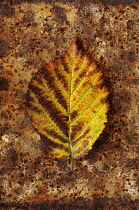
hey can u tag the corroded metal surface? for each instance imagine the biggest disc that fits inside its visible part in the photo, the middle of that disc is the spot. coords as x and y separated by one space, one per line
32 34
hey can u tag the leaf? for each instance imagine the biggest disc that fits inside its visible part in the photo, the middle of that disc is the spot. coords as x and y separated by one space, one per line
66 101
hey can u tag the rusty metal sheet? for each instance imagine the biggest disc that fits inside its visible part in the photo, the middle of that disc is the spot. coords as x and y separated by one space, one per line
31 34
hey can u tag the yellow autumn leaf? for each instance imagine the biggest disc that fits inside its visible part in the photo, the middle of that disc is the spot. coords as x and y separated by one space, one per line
66 101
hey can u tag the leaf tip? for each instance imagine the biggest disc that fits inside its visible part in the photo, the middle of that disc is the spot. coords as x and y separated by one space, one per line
73 45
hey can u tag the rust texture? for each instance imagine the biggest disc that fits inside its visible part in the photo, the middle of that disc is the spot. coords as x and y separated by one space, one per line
31 34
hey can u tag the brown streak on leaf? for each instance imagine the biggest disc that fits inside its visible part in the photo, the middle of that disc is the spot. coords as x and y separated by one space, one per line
63 62
51 144
55 115
76 129
62 79
73 115
55 135
81 137
85 143
81 155
50 82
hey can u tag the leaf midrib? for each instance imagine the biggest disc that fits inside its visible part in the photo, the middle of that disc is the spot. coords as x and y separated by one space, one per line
69 112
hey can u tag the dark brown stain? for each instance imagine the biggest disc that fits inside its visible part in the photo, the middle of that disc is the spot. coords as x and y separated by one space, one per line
20 94
1 67
28 17
48 175
59 13
24 122
6 10
80 3
4 84
62 164
4 128
66 179
119 2
11 156
128 55
130 24
3 48
101 203
136 81
4 115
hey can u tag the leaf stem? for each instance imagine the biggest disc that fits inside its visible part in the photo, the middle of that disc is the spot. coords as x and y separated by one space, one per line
72 163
